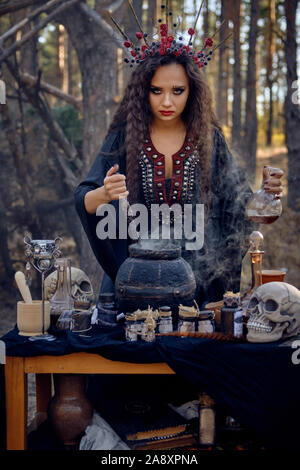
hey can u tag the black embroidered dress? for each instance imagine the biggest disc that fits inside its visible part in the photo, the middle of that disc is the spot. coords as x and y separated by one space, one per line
217 265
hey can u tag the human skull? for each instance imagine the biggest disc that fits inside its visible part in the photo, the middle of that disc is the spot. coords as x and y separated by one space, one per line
81 285
274 312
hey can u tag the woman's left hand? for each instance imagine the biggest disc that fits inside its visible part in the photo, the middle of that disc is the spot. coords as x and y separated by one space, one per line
272 181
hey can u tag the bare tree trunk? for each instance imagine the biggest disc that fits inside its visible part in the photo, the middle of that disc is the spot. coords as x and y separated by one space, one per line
291 108
21 173
151 15
206 19
250 128
222 106
62 58
236 106
64 192
58 74
7 282
70 65
270 78
96 52
130 25
206 31
96 56
29 60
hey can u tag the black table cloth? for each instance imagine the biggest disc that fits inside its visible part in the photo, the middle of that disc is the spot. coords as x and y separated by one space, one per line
257 384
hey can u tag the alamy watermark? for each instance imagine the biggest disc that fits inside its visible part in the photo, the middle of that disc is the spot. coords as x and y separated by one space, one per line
2 92
296 354
162 222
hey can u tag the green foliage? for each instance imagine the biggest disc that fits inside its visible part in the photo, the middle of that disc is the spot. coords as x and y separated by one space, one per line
70 121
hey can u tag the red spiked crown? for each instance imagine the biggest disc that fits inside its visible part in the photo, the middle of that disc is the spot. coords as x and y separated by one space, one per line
170 41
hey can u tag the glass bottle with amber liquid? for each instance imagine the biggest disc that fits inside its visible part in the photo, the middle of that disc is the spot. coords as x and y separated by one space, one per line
263 207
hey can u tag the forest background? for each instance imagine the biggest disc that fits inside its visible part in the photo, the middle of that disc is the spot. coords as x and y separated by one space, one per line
61 64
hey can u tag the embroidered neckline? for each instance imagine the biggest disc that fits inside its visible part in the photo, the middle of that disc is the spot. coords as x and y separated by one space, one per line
179 173
186 143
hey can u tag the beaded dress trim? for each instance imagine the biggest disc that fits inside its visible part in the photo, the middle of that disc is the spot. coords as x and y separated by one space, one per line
152 164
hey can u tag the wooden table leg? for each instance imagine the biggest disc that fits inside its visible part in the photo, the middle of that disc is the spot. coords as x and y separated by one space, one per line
43 392
43 387
16 403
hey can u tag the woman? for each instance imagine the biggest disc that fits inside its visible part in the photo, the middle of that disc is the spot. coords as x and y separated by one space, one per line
165 146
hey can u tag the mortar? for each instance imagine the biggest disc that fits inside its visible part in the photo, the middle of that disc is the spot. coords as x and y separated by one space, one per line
30 318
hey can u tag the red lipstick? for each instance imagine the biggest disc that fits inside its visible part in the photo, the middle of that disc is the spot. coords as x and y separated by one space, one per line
166 113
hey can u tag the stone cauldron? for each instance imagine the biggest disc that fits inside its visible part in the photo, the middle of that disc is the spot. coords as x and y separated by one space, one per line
154 274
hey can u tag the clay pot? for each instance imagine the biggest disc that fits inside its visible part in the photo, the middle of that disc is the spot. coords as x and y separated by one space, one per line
69 411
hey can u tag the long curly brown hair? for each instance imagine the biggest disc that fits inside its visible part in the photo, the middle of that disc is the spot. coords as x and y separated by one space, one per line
134 111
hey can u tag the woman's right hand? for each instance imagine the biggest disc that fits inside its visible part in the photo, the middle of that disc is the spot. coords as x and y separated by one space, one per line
115 184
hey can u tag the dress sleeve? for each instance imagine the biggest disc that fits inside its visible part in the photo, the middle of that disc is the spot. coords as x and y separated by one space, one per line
232 191
106 251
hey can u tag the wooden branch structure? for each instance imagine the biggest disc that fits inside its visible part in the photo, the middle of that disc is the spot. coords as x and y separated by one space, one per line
26 20
69 176
13 97
18 44
114 6
33 86
31 81
42 107
279 33
20 165
55 130
12 140
95 16
10 6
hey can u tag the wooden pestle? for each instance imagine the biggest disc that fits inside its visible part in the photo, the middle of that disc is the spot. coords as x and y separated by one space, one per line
23 287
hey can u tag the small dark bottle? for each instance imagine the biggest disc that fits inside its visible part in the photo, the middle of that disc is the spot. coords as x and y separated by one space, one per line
232 315
107 312
107 300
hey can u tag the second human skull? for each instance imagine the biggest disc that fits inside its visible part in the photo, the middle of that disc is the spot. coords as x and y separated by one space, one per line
81 285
